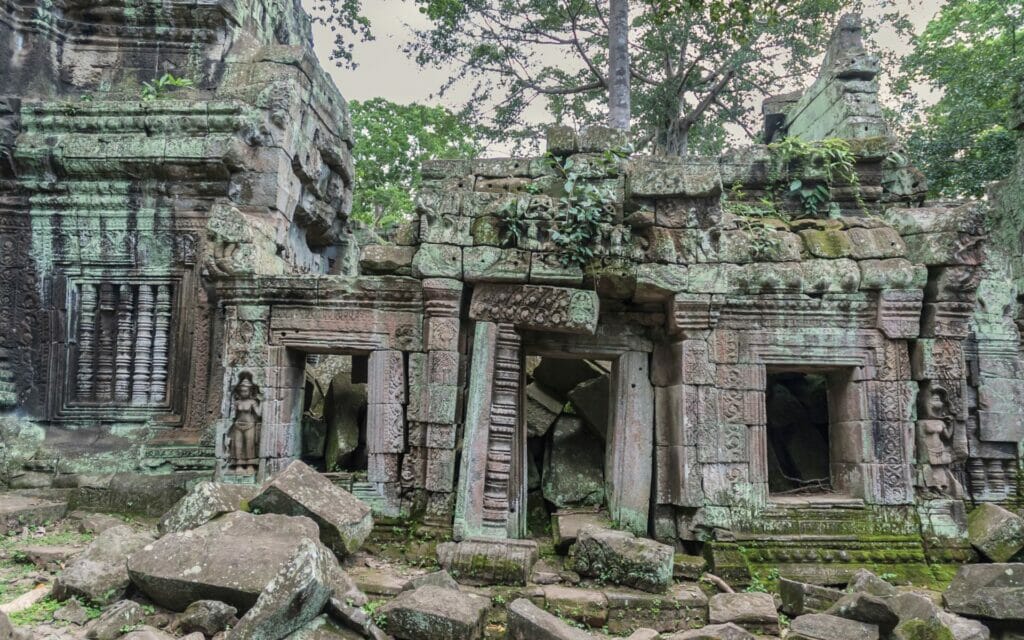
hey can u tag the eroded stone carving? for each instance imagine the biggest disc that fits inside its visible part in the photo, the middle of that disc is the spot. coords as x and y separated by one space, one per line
242 440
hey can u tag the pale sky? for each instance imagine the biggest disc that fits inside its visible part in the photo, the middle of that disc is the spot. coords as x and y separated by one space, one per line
384 71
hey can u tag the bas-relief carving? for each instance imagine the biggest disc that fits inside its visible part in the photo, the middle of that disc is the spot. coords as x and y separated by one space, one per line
242 440
935 428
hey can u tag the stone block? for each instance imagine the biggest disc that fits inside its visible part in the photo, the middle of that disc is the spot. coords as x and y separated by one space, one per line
892 273
590 400
537 307
683 606
573 473
659 282
22 511
866 608
599 138
879 242
436 613
541 410
621 558
993 591
206 501
994 531
386 259
482 562
549 268
821 626
565 527
827 243
99 573
650 178
755 612
728 631
587 606
799 598
437 261
527 621
561 140
491 264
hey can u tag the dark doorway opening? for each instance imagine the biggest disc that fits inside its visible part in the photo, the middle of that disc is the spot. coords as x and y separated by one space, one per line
334 415
798 433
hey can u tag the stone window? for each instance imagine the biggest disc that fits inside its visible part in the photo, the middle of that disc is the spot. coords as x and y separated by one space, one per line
121 353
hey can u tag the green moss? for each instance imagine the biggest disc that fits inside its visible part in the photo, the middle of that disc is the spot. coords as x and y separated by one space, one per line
922 630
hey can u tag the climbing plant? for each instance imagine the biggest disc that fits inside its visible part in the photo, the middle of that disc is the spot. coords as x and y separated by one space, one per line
584 206
801 162
160 87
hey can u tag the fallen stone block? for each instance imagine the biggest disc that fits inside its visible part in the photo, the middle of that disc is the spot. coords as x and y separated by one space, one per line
867 582
687 567
377 582
483 562
993 591
49 558
435 613
353 617
206 501
99 573
620 557
21 511
821 626
122 614
527 621
437 579
344 520
644 634
229 559
755 612
573 473
294 597
146 632
728 631
561 375
684 606
995 532
209 617
799 598
867 608
72 612
590 400
586 606
542 409
921 630
324 627
565 526
94 522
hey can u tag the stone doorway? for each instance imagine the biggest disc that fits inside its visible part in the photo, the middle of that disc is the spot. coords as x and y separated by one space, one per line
797 412
334 414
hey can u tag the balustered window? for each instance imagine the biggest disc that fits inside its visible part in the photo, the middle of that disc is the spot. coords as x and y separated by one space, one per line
123 336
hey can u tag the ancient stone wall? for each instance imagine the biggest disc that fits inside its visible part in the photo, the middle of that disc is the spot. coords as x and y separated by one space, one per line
118 200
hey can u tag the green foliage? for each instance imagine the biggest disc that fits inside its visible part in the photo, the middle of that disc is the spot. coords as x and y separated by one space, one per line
391 142
158 88
763 584
40 611
754 220
972 52
347 23
585 206
831 159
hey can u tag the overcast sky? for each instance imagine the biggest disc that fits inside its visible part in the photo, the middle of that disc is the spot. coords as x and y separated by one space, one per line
384 71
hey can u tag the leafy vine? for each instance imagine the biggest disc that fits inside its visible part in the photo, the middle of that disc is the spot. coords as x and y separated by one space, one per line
831 158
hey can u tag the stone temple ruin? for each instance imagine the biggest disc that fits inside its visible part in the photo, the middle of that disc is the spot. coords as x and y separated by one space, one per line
182 295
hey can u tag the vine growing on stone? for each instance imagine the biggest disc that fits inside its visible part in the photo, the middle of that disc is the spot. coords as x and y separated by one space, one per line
159 87
831 158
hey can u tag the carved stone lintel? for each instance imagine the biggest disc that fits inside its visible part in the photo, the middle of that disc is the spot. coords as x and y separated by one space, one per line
536 307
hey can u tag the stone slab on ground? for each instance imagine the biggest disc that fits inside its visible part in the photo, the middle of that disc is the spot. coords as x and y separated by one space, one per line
687 567
299 490
566 525
684 606
209 617
294 597
50 558
146 632
587 606
799 598
89 522
994 531
378 581
206 501
99 573
867 582
354 617
436 613
755 612
993 591
125 613
211 563
21 511
865 607
822 626
527 621
620 557
437 578
479 561
728 631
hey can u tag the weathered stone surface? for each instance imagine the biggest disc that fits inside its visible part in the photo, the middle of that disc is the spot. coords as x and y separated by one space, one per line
354 617
755 612
565 527
988 591
590 400
50 558
344 520
996 532
821 626
146 632
294 596
325 628
207 616
95 522
585 606
622 558
683 606
799 598
542 408
573 474
436 579
481 561
728 631
436 613
211 562
644 634
203 503
125 613
915 606
921 630
866 608
527 621
20 511
562 375
99 574
72 612
867 582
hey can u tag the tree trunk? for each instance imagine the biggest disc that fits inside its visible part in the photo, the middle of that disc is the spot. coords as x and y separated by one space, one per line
618 64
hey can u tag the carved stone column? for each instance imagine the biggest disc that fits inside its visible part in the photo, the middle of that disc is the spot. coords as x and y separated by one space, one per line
385 425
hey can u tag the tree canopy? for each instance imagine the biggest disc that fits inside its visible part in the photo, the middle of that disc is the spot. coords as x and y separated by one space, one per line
973 53
391 141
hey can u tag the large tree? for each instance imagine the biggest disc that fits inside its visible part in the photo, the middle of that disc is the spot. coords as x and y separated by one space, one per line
695 66
972 52
391 141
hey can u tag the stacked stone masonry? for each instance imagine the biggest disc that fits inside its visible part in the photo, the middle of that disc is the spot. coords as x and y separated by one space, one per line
168 269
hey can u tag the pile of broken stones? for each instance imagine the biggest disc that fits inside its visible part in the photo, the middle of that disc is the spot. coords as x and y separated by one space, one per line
232 562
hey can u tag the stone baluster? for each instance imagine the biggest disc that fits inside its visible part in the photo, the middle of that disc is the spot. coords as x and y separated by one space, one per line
143 346
86 342
161 339
125 334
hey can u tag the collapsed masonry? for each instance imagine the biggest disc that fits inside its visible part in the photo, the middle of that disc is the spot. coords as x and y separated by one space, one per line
809 392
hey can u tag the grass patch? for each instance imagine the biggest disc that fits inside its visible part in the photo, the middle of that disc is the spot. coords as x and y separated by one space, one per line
39 612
